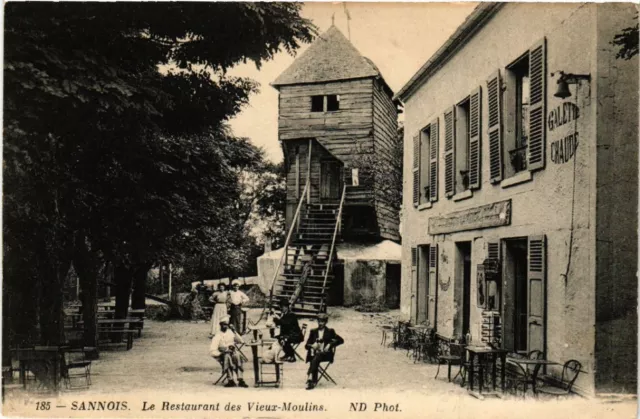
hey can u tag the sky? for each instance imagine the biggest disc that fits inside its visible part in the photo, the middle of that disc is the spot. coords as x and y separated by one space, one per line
398 37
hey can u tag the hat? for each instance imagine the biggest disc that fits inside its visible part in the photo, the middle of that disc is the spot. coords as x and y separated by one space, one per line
284 302
323 316
235 281
225 319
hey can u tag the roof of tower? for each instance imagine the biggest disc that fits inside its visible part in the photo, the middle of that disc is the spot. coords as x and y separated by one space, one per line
331 57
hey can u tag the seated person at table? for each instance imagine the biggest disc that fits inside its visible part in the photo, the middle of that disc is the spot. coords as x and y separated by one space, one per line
290 332
223 349
320 348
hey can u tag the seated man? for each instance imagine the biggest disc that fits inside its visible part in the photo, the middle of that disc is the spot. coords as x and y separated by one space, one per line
320 348
224 351
290 332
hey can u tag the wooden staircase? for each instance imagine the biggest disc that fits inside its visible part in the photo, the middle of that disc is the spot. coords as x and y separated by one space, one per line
312 246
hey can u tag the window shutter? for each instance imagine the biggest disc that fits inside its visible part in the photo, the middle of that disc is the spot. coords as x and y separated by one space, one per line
449 154
536 272
538 76
432 297
493 249
414 283
494 95
416 170
433 161
475 104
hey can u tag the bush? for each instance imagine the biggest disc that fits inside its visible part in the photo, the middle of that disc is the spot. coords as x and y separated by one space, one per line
372 306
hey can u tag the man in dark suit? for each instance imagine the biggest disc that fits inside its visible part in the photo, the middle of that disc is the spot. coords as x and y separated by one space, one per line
290 332
320 347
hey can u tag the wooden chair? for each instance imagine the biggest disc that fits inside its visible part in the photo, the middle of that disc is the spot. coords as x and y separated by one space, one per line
278 365
223 375
322 370
295 346
570 372
454 355
77 367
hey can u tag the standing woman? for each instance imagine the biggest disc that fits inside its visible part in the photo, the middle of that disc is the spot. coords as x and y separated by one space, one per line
219 300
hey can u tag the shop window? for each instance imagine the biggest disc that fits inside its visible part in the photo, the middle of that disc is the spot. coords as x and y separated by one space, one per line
516 126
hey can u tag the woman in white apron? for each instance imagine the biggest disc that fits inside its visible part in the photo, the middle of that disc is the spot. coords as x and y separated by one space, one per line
219 299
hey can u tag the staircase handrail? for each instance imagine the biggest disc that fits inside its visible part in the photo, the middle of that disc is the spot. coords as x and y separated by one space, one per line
286 243
333 243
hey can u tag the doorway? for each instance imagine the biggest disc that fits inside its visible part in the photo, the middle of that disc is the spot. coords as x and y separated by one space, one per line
462 293
392 285
516 295
330 180
336 289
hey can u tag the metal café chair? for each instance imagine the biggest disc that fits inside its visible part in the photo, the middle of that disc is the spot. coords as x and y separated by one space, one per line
454 356
570 372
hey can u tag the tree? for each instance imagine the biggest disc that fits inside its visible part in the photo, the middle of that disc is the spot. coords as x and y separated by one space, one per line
107 157
627 41
382 168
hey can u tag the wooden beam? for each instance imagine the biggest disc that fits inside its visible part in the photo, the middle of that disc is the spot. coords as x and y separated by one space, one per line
309 174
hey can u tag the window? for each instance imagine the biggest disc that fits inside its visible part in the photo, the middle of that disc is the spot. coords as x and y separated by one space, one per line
425 140
518 76
425 165
325 103
317 103
333 103
516 117
462 147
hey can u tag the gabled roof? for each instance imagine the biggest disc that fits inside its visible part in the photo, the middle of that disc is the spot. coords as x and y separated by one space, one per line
331 57
460 37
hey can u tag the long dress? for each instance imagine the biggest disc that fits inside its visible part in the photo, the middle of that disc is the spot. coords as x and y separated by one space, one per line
219 309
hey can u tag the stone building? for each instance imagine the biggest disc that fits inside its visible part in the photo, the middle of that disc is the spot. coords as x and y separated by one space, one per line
337 122
521 192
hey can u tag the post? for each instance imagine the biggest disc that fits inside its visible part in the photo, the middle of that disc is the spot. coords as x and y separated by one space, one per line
170 281
309 174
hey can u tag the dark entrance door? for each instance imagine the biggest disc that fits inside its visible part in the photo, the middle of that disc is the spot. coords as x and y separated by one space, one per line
392 293
336 289
463 287
330 180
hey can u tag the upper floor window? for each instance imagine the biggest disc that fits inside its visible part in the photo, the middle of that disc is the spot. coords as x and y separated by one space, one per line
462 147
425 165
518 78
325 103
516 117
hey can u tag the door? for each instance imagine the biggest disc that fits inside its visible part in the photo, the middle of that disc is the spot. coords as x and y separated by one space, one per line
423 284
462 292
330 180
392 286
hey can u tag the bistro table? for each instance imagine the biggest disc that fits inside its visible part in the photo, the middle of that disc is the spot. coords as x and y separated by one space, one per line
537 364
482 353
43 361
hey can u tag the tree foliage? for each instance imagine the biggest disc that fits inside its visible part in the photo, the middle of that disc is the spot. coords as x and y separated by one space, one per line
627 41
115 131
